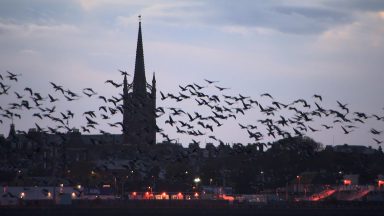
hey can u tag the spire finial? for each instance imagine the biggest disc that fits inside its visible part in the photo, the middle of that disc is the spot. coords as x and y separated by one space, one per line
139 18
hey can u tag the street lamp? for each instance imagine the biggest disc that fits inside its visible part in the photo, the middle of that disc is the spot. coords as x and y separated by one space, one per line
298 186
197 180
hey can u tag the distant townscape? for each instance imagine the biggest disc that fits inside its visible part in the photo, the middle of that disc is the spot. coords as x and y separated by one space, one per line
60 164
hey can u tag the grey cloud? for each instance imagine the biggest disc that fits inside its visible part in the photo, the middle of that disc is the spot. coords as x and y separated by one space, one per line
311 19
321 14
40 11
357 5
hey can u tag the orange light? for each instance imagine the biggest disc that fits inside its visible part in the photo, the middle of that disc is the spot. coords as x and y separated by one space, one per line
147 195
178 196
164 194
196 194
229 198
347 182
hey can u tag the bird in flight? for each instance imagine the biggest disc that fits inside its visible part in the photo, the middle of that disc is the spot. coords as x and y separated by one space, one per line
124 73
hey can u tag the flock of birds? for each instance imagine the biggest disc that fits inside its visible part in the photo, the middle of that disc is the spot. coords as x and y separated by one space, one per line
276 119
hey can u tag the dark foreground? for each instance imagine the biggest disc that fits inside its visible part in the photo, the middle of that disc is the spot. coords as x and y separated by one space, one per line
136 208
187 212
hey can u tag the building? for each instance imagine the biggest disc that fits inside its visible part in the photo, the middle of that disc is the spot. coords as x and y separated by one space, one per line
139 119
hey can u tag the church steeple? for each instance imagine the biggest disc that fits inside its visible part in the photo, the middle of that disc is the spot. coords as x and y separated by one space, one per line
139 116
12 132
139 81
153 85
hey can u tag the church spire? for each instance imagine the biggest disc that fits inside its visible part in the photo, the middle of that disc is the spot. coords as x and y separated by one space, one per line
139 81
153 92
12 131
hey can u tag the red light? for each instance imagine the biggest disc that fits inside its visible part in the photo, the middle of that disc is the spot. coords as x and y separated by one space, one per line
381 183
134 193
347 182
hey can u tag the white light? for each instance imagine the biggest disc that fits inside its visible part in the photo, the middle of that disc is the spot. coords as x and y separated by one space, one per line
197 180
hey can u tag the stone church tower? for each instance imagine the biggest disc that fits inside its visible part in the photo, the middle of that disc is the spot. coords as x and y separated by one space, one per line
139 103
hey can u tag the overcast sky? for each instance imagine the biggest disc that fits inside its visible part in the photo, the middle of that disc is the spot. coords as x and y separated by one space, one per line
291 49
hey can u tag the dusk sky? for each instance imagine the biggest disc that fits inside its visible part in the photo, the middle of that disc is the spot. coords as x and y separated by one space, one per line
291 49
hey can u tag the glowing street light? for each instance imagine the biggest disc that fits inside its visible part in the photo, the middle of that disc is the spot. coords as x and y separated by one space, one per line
299 183
197 180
